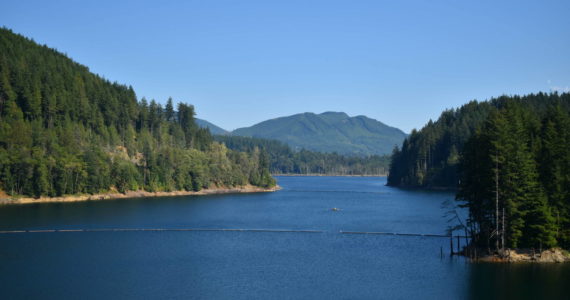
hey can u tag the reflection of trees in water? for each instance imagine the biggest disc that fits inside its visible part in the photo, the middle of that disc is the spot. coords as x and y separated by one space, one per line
518 281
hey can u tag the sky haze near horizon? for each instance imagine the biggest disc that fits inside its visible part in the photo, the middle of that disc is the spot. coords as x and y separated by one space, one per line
242 62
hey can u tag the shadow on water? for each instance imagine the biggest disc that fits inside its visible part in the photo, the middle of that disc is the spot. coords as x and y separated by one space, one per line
519 281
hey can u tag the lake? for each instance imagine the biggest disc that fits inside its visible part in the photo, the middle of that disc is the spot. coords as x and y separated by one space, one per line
256 265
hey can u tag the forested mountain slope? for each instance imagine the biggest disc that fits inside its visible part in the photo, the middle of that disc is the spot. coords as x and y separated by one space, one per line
284 160
429 157
329 132
510 160
65 130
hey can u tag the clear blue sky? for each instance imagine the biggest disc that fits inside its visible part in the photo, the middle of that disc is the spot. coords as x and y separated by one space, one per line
241 62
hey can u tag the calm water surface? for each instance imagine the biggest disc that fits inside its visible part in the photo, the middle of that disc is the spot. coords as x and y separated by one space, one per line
256 265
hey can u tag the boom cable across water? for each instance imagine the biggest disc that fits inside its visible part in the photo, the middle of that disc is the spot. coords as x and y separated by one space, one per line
218 229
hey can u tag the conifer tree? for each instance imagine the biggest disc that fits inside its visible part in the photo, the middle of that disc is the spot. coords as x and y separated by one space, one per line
169 110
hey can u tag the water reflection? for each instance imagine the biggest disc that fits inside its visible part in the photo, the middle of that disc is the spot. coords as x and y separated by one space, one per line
519 281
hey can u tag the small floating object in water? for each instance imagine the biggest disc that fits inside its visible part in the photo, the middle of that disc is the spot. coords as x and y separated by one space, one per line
335 209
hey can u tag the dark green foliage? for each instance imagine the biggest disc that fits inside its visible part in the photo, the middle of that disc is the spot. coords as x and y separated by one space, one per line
281 159
125 175
64 130
169 110
98 171
522 151
428 158
330 132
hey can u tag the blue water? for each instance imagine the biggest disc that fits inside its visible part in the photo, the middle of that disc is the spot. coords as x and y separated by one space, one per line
256 265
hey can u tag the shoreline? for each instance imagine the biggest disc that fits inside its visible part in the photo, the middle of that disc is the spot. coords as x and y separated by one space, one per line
554 255
426 188
325 175
136 194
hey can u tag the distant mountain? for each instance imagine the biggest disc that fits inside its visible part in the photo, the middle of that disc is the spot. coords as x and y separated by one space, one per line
329 132
213 128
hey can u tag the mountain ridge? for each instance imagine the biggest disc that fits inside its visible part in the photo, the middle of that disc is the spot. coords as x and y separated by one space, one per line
328 132
214 129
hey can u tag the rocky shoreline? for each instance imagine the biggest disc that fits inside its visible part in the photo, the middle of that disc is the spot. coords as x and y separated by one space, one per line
554 255
136 194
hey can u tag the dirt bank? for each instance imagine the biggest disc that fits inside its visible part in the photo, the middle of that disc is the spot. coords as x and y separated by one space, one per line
135 194
325 175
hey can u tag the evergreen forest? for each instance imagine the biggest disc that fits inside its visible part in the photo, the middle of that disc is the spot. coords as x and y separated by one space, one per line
283 160
65 130
509 161
515 178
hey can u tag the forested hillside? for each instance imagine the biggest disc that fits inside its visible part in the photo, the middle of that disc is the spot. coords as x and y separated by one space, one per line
283 160
65 130
329 132
429 157
510 160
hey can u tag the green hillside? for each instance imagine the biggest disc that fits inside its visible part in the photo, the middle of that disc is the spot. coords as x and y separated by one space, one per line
329 132
429 157
508 158
65 130
284 160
